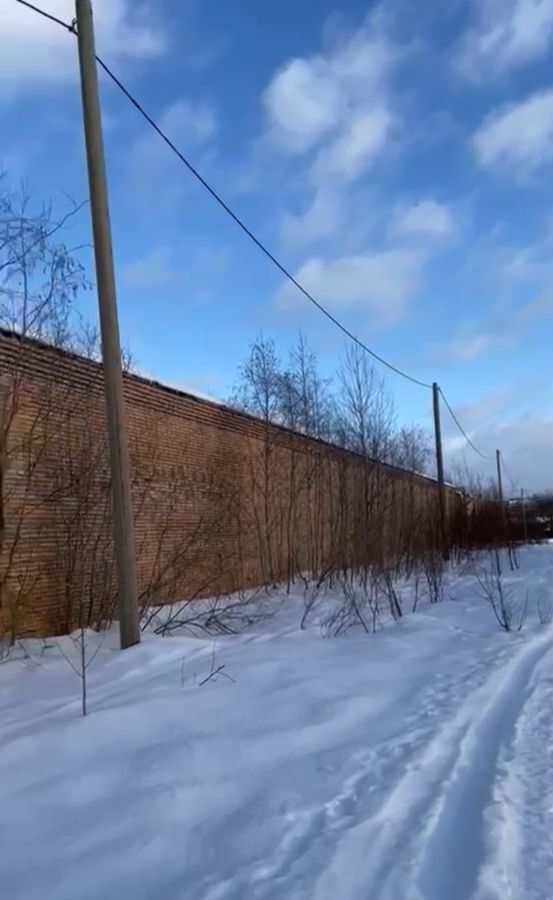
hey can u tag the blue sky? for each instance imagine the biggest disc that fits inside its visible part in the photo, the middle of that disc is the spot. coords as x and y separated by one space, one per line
396 156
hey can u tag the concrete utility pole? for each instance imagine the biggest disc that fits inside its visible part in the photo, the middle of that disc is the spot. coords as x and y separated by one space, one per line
440 471
123 527
500 489
524 522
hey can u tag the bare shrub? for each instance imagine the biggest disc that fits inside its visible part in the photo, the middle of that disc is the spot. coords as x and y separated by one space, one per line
509 612
416 582
211 616
20 456
433 569
215 671
18 650
81 661
388 588
545 610
313 593
512 555
39 279
357 605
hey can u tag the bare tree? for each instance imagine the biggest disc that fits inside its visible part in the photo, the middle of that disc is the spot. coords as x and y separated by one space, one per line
366 411
39 279
81 660
411 449
314 419
259 390
81 513
259 378
39 275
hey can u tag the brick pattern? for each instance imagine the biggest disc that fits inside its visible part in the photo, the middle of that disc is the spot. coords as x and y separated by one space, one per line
222 500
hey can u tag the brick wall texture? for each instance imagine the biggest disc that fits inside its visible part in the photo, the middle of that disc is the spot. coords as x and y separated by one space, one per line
222 501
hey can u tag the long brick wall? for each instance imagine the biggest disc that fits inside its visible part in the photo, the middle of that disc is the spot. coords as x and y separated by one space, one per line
222 500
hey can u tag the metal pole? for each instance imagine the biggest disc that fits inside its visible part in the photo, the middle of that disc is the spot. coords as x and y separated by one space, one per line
440 471
123 528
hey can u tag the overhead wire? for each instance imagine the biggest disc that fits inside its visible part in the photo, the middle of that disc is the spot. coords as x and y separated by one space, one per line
245 228
461 429
236 218
47 15
264 249
507 472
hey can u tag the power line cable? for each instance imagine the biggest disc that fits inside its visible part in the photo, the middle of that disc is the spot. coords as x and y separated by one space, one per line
506 470
264 249
461 429
47 15
236 218
242 225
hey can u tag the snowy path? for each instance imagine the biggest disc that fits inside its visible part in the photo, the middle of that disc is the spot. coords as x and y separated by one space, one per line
378 845
455 771
416 764
521 846
455 847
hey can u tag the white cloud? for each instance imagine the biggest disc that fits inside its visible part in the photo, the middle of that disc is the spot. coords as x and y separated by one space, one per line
427 219
508 34
186 123
525 444
33 50
193 268
331 116
538 308
478 413
361 139
190 126
531 264
322 219
517 138
523 437
380 284
467 348
334 104
502 331
509 266
151 270
302 103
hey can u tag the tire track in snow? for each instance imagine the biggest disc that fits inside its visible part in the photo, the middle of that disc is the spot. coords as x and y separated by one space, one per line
447 785
519 818
311 832
455 847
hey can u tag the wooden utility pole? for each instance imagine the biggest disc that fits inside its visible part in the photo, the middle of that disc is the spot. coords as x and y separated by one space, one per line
440 472
123 528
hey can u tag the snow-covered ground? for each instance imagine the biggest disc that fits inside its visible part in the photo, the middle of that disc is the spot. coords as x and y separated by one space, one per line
413 763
